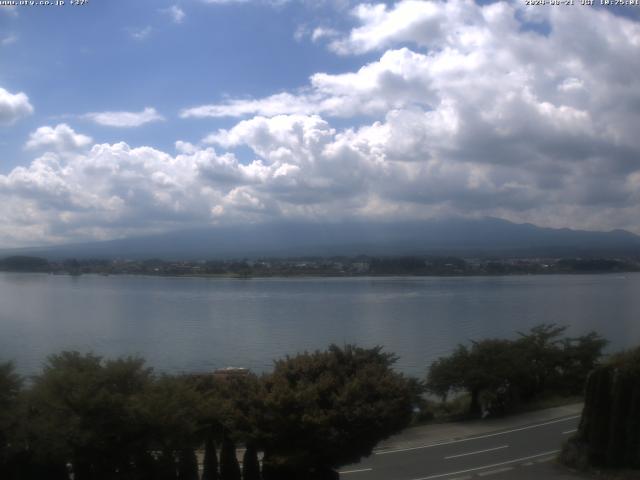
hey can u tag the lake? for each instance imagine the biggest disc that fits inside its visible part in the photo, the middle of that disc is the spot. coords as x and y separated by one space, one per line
199 324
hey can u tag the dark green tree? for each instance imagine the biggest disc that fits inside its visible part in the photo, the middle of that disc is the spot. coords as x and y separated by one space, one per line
210 467
229 466
250 463
10 388
166 467
609 431
489 367
187 465
541 350
330 408
500 373
80 411
445 374
169 410
579 357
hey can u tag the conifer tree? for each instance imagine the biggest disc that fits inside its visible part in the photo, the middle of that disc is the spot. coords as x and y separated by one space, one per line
210 468
229 467
250 464
187 464
166 466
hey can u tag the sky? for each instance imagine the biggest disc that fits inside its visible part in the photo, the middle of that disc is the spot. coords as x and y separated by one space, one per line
121 118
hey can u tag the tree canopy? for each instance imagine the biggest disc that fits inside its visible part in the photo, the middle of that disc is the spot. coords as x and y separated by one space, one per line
609 431
504 372
330 408
112 419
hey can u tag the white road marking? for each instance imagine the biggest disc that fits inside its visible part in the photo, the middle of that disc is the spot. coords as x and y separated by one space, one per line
474 453
355 471
566 419
484 467
570 431
496 471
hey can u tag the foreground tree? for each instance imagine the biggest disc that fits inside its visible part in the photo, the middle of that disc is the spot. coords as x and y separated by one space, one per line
250 463
229 467
10 389
187 465
609 431
500 373
210 462
579 357
80 411
489 367
169 413
327 409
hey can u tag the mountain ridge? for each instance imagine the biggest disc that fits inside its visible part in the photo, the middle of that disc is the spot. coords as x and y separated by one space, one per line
488 236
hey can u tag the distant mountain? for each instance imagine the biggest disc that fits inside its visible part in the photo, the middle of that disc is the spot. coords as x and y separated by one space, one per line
454 236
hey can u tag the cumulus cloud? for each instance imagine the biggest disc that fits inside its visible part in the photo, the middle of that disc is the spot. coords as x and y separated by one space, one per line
414 21
13 106
185 147
125 119
467 109
60 139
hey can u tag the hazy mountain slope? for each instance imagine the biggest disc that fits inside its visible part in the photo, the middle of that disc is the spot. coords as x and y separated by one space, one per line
489 236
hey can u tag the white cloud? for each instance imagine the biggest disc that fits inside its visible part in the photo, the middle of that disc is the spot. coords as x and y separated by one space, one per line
13 106
323 32
60 139
467 110
176 12
461 90
269 106
416 21
8 40
125 119
185 147
141 33
402 166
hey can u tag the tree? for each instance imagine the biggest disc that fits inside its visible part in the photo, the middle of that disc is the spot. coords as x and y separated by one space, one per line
541 350
580 356
10 389
80 410
24 264
330 408
187 465
489 367
229 467
166 468
609 431
250 463
445 374
499 373
210 467
169 410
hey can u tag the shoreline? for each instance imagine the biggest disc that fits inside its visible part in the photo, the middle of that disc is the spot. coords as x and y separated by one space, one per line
326 275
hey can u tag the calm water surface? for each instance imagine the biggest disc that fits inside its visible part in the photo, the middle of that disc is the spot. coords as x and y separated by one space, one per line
197 324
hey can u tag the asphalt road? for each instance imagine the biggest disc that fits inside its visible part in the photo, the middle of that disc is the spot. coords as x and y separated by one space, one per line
498 454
